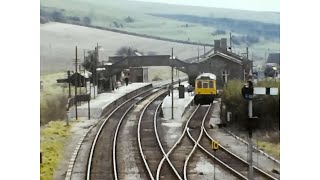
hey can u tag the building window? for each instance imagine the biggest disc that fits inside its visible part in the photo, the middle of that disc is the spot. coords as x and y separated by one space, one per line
225 75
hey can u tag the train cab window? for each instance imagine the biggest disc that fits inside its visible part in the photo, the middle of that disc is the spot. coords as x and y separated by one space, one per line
210 84
205 85
199 84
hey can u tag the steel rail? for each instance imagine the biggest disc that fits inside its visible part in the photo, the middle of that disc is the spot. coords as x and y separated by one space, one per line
115 171
139 136
265 174
114 146
102 126
254 147
217 159
161 147
196 143
177 142
89 163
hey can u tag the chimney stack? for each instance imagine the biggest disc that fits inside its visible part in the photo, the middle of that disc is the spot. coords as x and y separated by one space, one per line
223 45
216 46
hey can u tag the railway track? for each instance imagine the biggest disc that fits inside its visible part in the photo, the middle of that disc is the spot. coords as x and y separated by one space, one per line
165 165
108 155
195 129
100 163
230 161
149 146
177 155
234 161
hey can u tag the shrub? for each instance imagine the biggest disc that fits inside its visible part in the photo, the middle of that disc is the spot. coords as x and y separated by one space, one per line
43 20
156 78
58 16
128 19
218 32
53 108
116 24
266 108
74 18
87 20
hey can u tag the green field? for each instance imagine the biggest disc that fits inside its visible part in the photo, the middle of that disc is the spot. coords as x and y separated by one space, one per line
105 13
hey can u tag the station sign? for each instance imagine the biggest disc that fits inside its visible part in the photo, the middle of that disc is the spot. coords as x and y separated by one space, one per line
214 145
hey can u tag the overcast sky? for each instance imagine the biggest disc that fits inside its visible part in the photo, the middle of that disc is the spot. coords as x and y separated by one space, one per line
253 5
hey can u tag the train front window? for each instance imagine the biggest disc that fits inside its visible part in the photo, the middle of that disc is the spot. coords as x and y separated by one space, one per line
205 85
210 84
199 84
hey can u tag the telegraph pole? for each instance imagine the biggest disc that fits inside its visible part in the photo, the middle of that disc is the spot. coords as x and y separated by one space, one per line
96 79
172 83
69 83
84 71
76 84
250 84
198 54
247 53
230 43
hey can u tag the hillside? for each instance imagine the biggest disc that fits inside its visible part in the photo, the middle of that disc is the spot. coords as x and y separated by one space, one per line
258 30
58 41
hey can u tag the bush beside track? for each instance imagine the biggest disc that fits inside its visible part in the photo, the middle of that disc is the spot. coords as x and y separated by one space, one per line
267 108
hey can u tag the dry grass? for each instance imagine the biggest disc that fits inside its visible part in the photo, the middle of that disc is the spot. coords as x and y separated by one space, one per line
270 148
52 139
269 141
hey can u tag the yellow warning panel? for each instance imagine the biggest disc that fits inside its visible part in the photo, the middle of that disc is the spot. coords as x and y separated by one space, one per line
214 145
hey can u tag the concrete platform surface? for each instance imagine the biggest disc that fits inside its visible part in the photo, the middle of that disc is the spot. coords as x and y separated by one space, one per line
179 105
101 101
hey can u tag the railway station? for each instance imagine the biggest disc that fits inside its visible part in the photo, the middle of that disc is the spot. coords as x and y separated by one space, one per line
133 126
179 93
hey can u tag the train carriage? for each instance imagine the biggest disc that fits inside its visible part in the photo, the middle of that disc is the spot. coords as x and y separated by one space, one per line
205 88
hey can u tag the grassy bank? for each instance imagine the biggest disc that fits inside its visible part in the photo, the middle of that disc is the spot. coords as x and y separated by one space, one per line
53 99
270 148
52 139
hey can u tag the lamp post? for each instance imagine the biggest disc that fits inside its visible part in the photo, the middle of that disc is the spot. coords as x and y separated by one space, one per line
95 71
274 71
171 63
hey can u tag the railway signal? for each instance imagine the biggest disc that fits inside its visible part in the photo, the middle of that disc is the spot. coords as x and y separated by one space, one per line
247 92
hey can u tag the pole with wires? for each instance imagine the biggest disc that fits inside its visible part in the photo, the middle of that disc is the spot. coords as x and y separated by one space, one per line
172 83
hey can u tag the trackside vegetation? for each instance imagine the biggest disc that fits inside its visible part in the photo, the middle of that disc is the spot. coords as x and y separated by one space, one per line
52 138
266 108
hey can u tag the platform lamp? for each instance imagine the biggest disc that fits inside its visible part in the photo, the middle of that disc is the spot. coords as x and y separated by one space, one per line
274 71
95 65
171 64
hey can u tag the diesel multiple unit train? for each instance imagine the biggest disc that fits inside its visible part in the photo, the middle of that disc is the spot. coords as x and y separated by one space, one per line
205 88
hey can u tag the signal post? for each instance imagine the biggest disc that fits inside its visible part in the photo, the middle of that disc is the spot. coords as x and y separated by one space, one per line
247 92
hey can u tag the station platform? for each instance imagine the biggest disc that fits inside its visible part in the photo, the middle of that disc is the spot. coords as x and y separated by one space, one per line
215 119
180 106
106 100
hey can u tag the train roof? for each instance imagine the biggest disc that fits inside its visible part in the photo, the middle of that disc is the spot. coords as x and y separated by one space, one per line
206 75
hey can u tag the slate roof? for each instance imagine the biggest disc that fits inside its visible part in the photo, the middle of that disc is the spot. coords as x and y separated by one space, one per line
274 58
